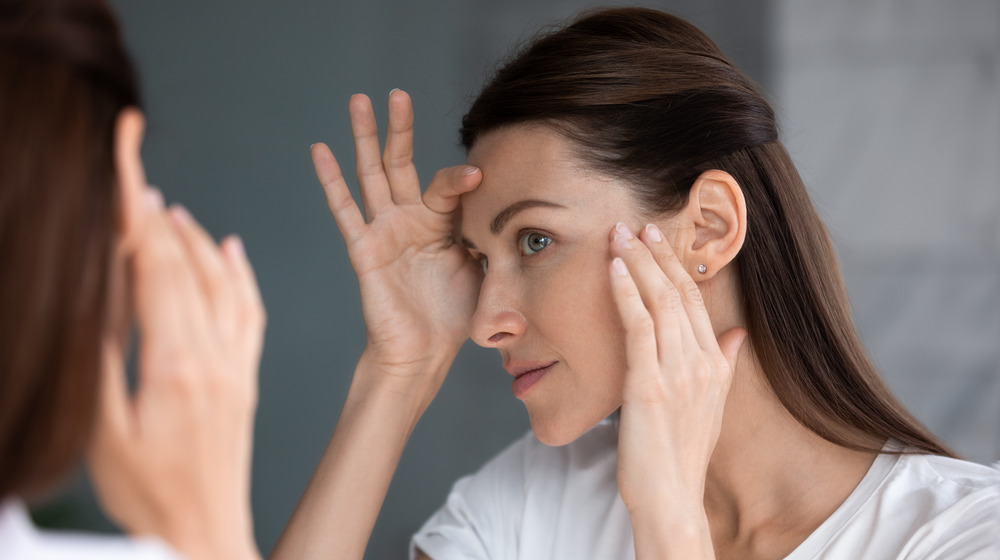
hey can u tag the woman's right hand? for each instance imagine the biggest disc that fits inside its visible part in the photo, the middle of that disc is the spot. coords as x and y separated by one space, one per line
418 292
419 286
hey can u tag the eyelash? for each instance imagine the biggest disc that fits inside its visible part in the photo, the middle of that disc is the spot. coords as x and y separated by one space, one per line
522 239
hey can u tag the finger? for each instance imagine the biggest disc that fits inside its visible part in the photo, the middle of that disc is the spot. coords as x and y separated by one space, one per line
448 185
375 192
345 211
674 335
248 294
640 335
688 289
397 160
170 308
206 264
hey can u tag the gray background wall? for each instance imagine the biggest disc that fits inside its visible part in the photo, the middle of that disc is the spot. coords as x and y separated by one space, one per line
892 112
897 136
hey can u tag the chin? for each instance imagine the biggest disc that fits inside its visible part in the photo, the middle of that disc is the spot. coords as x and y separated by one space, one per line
558 430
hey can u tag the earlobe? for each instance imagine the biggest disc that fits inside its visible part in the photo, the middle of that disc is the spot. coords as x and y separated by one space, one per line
717 209
130 176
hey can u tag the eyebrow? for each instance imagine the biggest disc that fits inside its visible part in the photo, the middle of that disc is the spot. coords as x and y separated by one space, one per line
508 213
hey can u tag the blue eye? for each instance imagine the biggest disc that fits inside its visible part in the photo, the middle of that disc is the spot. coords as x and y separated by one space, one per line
532 243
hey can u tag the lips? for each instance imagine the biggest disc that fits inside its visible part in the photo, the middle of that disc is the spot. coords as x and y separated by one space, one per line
526 375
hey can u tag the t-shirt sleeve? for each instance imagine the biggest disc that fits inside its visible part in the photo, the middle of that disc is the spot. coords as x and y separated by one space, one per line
968 530
480 517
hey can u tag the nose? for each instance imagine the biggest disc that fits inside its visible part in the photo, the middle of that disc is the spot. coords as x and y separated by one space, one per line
497 321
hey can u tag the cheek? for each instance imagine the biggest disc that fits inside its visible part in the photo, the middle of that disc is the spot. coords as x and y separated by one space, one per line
579 306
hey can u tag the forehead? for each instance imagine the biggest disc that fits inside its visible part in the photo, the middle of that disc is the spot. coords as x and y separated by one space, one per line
533 162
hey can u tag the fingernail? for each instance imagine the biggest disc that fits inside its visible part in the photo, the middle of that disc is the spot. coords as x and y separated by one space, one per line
234 247
622 242
653 233
313 145
394 90
619 266
470 170
624 231
154 199
180 214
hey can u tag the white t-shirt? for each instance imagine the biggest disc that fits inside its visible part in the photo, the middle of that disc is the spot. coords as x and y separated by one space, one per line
21 540
538 502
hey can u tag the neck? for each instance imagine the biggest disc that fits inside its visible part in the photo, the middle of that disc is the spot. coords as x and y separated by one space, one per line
771 481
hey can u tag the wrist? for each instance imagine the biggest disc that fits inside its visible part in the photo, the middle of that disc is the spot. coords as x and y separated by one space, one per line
198 542
221 528
413 384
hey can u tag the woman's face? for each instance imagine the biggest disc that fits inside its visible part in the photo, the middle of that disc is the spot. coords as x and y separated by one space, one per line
540 224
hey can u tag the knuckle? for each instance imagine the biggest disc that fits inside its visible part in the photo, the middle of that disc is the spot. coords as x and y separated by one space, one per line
343 200
177 368
666 255
168 255
213 276
652 389
642 326
668 300
723 371
690 291
370 169
185 381
334 178
397 160
158 254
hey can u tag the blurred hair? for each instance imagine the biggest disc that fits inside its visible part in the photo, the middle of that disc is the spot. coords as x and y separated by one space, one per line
64 78
647 97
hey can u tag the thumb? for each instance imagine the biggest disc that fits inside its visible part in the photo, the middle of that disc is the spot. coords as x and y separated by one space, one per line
448 184
730 343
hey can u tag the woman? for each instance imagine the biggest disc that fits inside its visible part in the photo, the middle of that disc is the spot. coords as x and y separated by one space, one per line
88 250
631 236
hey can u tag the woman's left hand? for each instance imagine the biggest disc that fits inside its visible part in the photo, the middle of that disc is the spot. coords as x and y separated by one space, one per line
676 383
173 458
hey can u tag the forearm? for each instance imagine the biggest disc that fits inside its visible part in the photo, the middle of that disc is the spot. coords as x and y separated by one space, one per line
336 515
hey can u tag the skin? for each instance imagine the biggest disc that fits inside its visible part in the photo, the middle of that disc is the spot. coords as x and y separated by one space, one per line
528 306
173 460
657 338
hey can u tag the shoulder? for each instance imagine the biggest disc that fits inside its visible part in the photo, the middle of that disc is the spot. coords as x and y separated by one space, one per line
21 540
914 507
945 479
952 471
960 489
953 506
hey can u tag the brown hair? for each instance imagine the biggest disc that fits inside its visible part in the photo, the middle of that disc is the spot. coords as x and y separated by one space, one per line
66 76
646 96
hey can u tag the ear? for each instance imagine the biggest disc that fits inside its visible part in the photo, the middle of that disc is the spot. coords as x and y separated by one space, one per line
130 126
717 212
